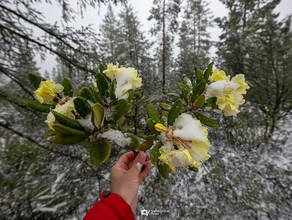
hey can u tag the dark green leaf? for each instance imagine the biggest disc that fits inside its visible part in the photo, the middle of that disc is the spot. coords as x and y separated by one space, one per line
68 140
100 151
194 169
150 125
35 105
102 68
98 115
134 142
212 102
199 75
145 145
206 120
102 84
199 103
174 112
89 94
68 89
198 89
50 133
69 122
82 106
208 71
121 108
68 130
35 79
184 90
152 113
112 90
163 170
154 154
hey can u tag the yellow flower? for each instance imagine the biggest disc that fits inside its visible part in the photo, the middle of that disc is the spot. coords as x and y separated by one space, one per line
218 75
177 158
240 80
111 70
127 78
67 109
190 139
228 94
47 91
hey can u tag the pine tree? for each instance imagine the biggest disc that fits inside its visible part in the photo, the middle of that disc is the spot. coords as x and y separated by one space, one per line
109 32
165 14
255 43
194 41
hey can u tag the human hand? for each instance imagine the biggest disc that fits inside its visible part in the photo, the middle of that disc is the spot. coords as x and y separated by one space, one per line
127 175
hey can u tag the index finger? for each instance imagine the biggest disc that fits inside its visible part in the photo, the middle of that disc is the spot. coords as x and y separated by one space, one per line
126 158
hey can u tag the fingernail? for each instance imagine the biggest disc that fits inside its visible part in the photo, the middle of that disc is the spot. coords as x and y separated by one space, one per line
139 165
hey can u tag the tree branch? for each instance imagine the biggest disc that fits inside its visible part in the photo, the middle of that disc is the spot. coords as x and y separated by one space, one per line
43 146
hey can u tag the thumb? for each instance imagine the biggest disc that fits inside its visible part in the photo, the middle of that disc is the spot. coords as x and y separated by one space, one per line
138 163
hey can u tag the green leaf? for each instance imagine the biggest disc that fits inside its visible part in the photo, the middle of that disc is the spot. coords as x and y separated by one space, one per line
198 89
82 106
152 113
154 154
212 102
134 141
102 84
62 129
174 112
68 140
194 169
121 108
184 90
208 71
50 133
100 151
98 115
163 170
87 93
112 90
199 103
66 121
35 79
164 106
150 125
145 145
173 94
206 120
188 82
35 105
101 68
199 75
68 89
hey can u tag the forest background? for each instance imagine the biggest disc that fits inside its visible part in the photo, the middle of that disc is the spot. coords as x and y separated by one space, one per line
249 173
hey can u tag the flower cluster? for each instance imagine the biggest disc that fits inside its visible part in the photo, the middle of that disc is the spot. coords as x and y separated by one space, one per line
185 144
229 93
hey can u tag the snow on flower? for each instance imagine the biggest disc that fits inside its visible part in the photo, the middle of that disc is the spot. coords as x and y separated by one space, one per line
190 139
66 109
47 91
127 78
229 93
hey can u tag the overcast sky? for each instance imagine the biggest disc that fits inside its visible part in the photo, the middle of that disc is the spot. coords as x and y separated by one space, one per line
94 17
